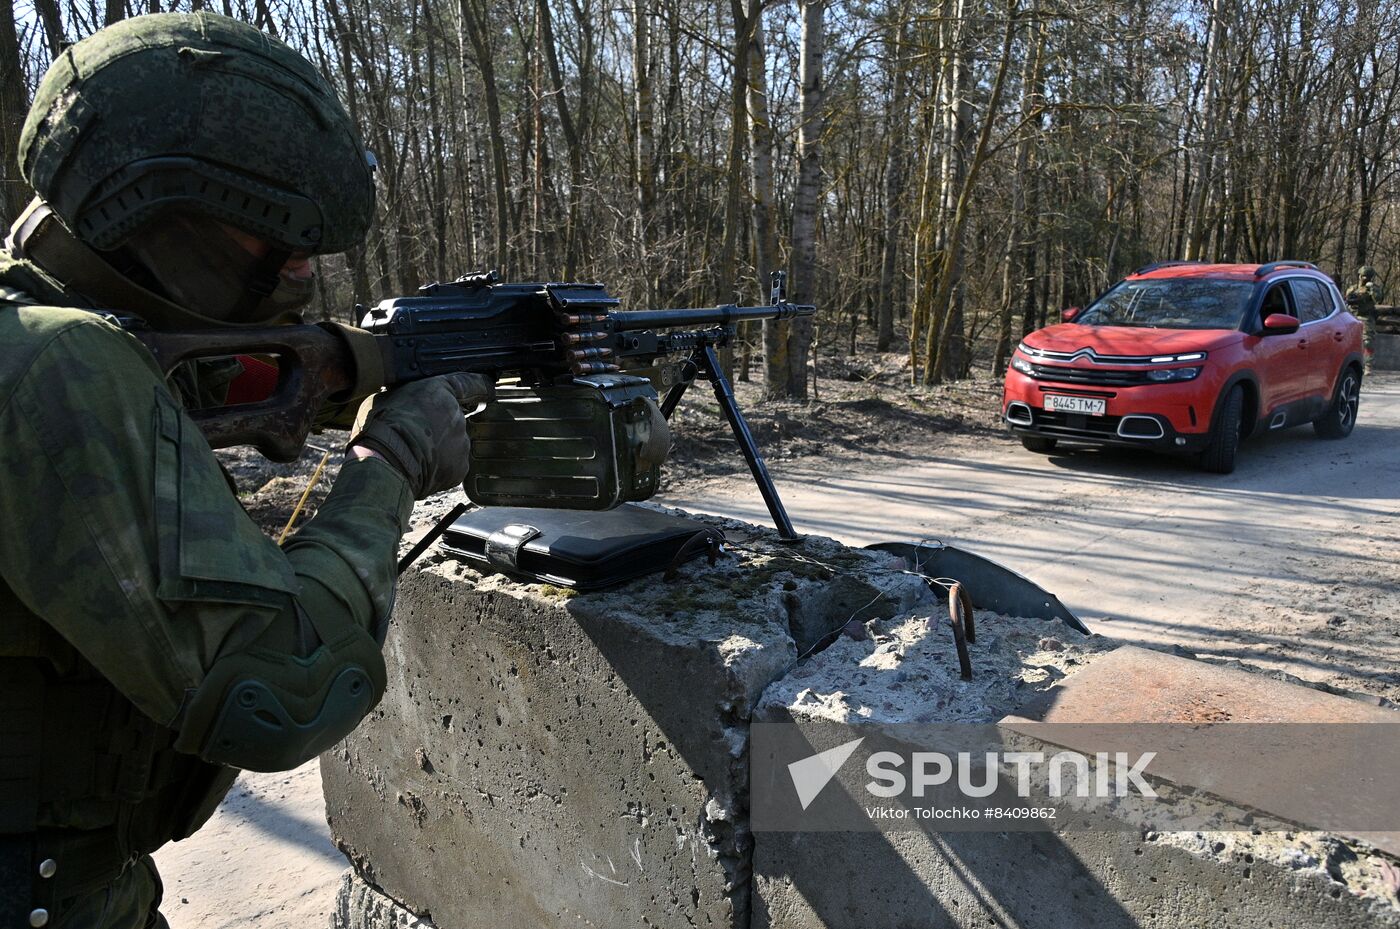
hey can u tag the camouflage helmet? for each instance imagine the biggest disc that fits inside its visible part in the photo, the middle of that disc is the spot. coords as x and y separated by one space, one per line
196 112
1365 272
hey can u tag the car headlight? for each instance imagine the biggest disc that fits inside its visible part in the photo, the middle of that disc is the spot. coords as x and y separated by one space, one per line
1022 365
1164 375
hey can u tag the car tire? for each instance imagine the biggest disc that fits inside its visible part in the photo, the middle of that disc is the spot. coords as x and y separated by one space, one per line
1224 442
1340 417
1037 443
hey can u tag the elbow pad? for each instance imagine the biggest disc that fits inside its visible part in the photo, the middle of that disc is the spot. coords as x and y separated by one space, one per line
264 710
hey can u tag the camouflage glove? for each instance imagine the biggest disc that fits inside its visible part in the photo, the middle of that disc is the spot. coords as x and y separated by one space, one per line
421 429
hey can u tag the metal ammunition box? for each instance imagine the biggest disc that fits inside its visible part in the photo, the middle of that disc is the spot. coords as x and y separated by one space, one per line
591 444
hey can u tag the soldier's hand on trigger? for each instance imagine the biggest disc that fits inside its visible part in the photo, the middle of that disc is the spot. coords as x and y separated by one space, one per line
421 429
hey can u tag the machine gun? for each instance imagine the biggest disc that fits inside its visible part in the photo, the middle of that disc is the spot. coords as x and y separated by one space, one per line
578 421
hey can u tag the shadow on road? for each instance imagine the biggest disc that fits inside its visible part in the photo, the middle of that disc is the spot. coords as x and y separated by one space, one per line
280 823
1258 469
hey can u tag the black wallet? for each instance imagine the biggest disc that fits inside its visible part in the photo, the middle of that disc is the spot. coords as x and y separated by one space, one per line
582 549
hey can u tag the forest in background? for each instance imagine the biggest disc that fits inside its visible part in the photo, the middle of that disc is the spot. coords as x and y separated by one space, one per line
938 176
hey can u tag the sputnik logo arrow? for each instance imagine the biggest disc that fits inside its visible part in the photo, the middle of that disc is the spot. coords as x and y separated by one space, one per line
814 772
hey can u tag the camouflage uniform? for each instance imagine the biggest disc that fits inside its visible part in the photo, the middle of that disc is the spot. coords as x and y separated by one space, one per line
152 639
129 570
1363 297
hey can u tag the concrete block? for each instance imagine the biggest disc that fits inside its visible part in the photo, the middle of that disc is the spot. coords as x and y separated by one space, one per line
550 759
1110 879
1387 352
547 758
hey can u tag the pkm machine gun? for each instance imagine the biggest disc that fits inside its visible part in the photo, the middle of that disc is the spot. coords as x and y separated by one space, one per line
579 416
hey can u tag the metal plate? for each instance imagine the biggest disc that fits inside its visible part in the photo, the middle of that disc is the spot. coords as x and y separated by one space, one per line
1092 406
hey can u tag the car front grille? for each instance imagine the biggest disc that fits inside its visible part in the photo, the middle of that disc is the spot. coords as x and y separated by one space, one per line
1102 378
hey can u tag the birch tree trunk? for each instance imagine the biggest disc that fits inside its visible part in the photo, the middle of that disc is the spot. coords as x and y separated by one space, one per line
573 129
436 169
945 314
765 217
727 282
895 167
357 259
926 238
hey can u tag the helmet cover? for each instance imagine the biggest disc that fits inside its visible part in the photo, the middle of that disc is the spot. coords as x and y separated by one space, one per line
198 112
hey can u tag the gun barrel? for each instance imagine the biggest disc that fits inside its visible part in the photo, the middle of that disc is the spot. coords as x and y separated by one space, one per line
708 316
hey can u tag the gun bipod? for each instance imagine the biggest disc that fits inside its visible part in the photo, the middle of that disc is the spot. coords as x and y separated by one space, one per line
704 360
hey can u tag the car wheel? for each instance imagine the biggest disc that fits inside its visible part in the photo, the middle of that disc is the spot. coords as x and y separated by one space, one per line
1340 417
1219 454
1036 443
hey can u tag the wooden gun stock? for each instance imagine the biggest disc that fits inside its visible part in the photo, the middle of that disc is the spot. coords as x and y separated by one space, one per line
315 366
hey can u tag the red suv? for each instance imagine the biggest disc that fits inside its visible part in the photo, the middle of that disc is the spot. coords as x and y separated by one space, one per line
1191 358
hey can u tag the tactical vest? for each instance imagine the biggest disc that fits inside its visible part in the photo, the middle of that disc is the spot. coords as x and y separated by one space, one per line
88 783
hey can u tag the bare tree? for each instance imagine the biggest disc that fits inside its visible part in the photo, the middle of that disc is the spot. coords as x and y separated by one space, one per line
949 349
13 105
1196 213
477 31
1017 237
765 218
897 41
807 194
940 177
53 25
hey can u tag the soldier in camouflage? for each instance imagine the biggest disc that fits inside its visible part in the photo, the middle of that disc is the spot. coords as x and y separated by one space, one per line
152 640
1363 297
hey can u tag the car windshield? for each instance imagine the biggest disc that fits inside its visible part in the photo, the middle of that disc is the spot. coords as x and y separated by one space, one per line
1171 303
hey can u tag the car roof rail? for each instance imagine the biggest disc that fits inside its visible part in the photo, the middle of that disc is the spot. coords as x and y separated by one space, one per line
1158 265
1273 266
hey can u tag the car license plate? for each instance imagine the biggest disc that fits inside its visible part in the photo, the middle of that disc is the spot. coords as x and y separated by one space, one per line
1093 406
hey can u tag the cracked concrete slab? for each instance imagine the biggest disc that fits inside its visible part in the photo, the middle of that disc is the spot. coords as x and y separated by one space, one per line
545 757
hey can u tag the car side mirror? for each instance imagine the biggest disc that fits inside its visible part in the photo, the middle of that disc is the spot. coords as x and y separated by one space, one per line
1280 324
1069 313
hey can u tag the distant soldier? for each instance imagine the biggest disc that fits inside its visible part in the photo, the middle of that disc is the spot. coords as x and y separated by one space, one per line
1363 297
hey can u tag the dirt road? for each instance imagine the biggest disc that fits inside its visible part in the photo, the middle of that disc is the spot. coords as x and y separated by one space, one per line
1292 562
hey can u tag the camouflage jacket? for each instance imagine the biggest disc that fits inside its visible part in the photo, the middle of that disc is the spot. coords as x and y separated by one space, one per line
126 557
1364 298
